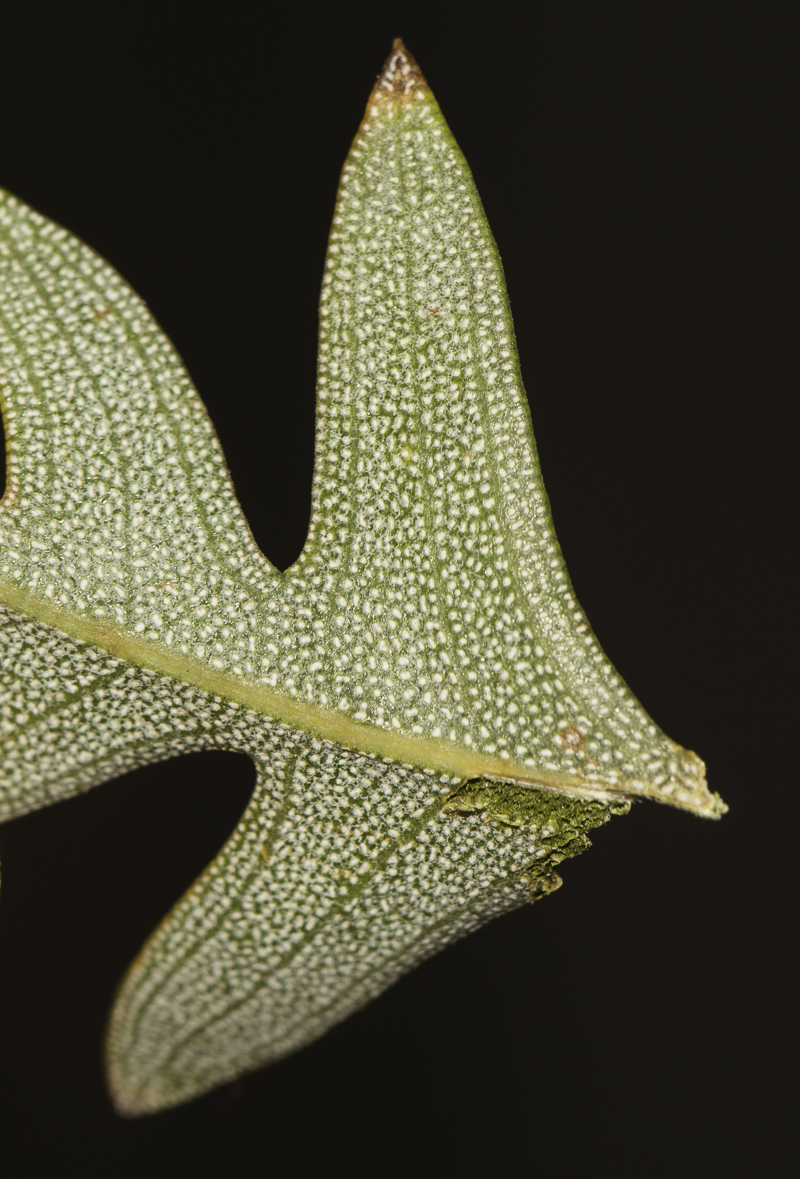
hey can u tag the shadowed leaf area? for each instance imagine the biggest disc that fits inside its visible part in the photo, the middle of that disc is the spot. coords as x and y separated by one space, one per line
433 723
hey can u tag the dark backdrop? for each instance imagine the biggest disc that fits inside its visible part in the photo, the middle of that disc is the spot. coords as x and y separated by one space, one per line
634 167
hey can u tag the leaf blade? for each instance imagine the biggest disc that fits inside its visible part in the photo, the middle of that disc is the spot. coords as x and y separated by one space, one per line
105 514
452 527
344 873
425 653
428 487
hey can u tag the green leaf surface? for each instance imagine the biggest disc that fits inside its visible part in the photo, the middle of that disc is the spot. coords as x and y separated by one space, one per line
433 722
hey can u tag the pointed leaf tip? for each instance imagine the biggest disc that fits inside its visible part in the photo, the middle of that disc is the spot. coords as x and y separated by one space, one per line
400 77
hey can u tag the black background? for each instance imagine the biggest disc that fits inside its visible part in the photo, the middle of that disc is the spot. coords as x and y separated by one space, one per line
635 167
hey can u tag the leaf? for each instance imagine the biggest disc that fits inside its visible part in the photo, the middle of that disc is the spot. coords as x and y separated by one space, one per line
433 723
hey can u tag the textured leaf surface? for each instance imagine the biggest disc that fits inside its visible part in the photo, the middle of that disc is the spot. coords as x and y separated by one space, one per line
433 722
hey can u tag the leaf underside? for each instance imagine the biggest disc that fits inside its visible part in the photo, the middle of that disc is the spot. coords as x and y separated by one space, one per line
433 723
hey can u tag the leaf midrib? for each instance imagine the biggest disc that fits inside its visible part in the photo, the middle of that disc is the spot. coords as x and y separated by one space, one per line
423 752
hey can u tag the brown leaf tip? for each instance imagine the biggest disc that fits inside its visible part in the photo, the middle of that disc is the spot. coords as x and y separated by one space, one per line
400 77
